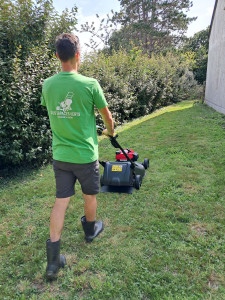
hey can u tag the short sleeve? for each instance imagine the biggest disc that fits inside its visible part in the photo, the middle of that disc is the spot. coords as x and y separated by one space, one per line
43 100
42 97
98 96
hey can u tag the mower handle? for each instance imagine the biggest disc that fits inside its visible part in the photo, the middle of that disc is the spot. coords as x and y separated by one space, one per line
113 141
115 144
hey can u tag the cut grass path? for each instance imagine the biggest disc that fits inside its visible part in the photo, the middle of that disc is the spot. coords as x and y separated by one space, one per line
165 241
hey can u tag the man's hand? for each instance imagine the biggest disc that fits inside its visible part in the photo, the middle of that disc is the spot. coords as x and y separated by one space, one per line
105 132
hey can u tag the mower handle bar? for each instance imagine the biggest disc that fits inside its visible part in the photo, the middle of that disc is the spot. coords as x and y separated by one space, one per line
115 144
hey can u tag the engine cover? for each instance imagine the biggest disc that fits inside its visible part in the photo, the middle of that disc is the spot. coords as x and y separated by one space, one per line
130 152
117 174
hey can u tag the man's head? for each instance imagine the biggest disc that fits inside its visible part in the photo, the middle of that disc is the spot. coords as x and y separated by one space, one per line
67 46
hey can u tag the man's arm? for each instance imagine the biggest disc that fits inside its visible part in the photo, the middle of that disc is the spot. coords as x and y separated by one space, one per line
108 121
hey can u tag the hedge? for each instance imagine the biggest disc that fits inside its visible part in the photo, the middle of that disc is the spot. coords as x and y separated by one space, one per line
134 85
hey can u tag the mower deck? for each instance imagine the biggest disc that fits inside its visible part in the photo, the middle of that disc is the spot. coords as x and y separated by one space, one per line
117 189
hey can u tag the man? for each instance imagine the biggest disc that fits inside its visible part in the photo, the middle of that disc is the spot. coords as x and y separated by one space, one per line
70 99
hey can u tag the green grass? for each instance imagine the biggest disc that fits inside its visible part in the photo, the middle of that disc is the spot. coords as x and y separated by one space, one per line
165 241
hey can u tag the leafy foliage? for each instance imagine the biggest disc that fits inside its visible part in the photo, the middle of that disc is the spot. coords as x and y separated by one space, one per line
28 23
135 85
28 30
23 24
199 45
25 133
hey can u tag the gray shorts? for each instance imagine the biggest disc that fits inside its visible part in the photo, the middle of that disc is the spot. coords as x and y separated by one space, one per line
66 175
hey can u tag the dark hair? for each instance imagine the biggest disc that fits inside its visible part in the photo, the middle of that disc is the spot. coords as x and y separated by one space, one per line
67 45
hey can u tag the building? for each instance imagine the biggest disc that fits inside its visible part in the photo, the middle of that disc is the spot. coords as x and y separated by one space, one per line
215 80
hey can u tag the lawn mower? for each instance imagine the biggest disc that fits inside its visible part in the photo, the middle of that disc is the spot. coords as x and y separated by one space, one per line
123 174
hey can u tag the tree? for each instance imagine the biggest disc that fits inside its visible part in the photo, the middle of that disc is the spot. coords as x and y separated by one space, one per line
100 31
199 44
152 24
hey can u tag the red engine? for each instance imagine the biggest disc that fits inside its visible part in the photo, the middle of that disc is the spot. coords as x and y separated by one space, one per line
130 152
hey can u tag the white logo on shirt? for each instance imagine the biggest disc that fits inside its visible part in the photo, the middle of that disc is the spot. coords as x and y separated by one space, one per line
66 104
64 108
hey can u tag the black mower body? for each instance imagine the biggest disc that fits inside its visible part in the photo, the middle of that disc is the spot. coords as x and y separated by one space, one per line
117 174
122 173
122 176
139 169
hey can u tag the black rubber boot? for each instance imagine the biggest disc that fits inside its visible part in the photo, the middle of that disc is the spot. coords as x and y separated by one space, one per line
91 229
55 260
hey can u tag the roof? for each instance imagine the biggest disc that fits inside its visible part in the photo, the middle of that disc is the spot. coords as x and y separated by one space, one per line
213 16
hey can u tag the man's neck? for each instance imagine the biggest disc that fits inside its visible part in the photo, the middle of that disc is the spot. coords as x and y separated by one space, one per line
68 67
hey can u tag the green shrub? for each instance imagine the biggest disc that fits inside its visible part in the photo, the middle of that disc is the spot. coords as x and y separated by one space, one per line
112 75
135 85
25 135
28 30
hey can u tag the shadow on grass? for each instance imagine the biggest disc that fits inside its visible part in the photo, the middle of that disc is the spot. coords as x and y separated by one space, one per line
19 173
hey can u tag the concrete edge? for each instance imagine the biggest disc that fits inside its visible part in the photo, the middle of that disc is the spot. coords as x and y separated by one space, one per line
215 106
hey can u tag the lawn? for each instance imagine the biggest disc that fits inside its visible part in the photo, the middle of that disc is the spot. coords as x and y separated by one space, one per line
165 241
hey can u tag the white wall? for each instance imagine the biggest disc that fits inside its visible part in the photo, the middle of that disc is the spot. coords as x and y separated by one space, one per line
215 81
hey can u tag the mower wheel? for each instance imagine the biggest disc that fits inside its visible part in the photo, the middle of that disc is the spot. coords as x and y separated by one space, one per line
101 180
146 163
137 182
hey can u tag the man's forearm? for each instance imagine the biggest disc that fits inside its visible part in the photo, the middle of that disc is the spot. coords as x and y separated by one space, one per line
108 120
109 124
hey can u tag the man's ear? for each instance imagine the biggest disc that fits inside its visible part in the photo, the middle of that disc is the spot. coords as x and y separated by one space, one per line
77 55
57 55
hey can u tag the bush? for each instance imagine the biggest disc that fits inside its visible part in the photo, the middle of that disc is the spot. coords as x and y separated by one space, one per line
25 135
28 30
135 85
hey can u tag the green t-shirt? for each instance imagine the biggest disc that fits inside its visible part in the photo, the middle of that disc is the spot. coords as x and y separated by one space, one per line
70 99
